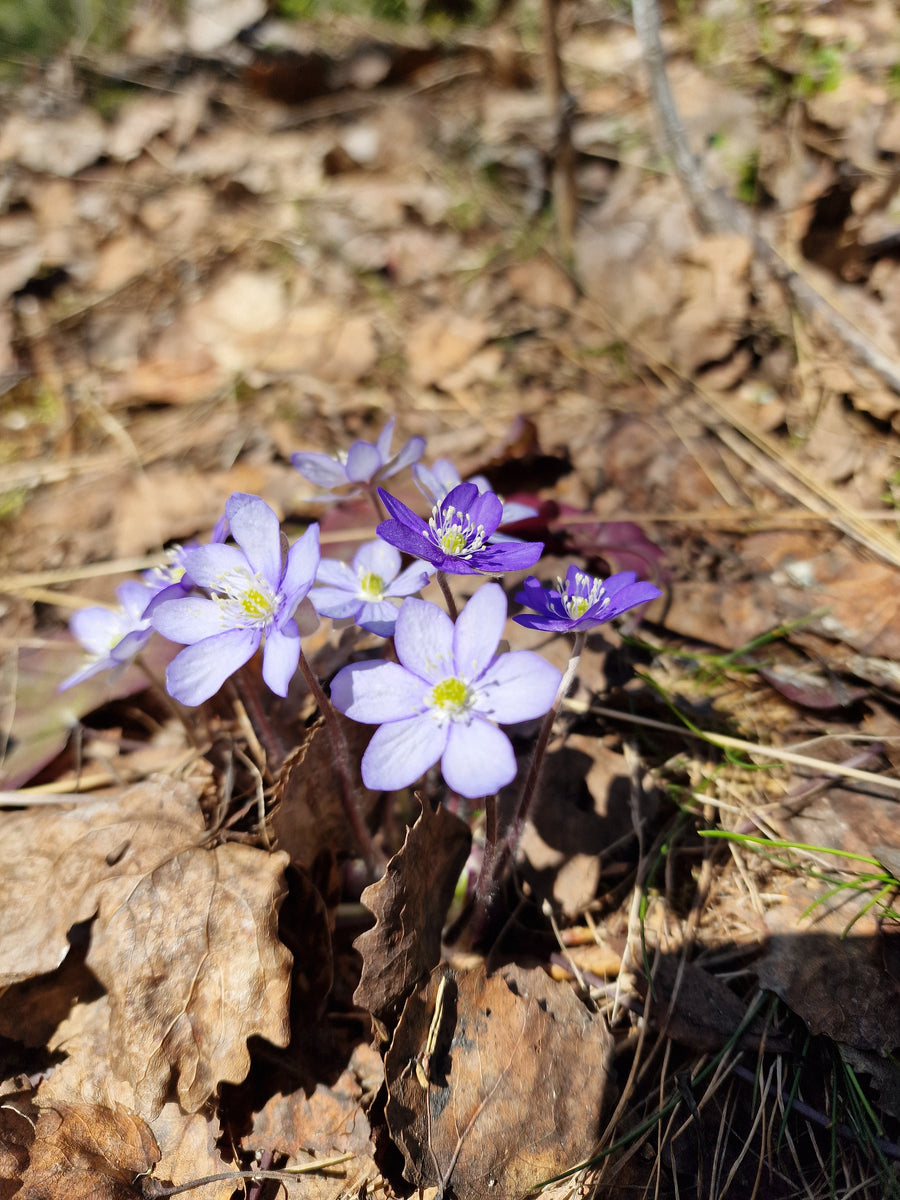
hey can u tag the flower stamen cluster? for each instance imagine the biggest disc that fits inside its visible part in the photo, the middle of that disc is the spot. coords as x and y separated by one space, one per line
245 599
583 593
459 536
455 532
451 700
581 601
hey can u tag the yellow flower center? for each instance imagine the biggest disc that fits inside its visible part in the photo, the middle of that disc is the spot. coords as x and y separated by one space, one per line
454 532
451 699
371 586
586 593
246 600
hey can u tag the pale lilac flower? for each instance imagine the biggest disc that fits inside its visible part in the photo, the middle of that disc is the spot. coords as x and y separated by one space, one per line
254 594
581 601
361 591
111 636
364 464
443 698
170 580
436 481
456 538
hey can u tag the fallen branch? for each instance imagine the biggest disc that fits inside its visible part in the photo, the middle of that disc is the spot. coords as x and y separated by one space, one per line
717 213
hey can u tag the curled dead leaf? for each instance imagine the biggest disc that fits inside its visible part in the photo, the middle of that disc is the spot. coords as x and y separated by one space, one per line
87 1152
410 904
517 1080
185 939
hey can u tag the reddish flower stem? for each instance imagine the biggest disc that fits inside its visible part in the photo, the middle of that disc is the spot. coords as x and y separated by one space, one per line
372 493
448 595
246 689
498 855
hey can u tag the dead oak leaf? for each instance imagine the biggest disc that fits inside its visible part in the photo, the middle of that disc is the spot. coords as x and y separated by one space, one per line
328 1122
17 1127
88 1076
87 1152
185 938
189 1152
517 1083
410 904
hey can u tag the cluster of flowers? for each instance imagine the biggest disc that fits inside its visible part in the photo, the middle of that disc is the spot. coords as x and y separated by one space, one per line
449 690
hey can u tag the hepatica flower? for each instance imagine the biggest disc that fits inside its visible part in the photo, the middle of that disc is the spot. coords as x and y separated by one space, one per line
111 636
456 539
581 600
363 464
254 594
445 697
441 477
361 590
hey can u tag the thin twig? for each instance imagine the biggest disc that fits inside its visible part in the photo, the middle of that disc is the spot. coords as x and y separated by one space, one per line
562 110
282 1176
721 740
714 212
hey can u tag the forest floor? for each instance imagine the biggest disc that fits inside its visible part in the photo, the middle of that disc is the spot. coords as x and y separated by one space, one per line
227 242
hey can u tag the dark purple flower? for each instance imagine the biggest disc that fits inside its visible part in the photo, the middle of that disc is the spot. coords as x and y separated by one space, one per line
456 538
581 601
436 481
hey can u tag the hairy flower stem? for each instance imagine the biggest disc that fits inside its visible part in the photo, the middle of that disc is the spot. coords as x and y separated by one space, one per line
174 708
372 493
246 689
342 764
498 856
485 881
533 776
448 595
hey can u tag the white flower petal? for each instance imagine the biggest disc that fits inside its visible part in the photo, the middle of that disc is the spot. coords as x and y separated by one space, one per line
379 558
479 759
401 752
423 640
478 630
518 686
373 692
256 530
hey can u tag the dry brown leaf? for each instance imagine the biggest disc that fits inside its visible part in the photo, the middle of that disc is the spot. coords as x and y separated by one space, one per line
87 1075
838 984
188 1143
329 1122
582 807
310 816
410 904
698 1010
34 1009
87 1152
17 1125
185 940
192 961
440 343
60 146
717 301
519 1082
